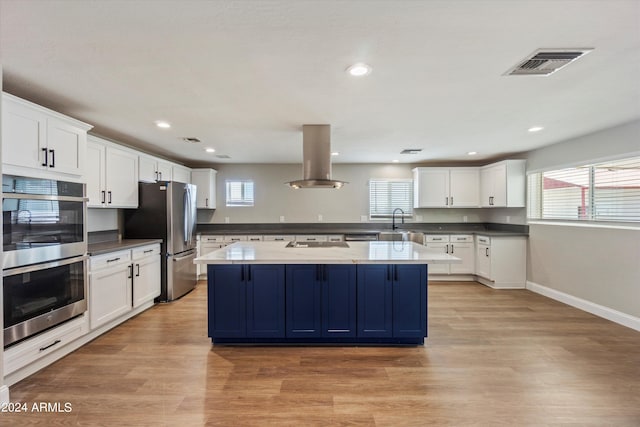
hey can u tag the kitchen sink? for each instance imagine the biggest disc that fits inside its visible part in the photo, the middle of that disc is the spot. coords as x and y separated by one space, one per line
405 236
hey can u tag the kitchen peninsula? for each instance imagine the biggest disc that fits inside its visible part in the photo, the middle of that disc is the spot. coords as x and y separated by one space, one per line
305 293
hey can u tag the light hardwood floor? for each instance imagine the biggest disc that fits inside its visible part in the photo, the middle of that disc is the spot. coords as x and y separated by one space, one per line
493 357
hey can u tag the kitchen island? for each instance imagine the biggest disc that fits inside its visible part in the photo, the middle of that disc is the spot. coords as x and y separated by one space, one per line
333 293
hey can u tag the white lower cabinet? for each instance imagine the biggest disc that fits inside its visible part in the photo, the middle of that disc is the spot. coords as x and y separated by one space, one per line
458 245
146 277
110 287
501 262
122 281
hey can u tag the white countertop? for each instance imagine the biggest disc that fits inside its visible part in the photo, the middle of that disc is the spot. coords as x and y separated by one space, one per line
357 253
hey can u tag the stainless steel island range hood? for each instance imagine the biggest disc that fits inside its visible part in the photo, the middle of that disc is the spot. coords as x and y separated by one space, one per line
316 159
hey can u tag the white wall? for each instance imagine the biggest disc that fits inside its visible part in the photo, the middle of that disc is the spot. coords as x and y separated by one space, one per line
102 219
347 205
595 264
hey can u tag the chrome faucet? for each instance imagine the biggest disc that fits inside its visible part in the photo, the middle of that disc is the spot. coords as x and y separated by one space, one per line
393 218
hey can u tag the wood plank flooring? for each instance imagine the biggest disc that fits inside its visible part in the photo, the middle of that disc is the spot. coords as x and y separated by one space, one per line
493 357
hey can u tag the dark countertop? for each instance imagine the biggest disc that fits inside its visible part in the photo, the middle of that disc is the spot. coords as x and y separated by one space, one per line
100 248
486 229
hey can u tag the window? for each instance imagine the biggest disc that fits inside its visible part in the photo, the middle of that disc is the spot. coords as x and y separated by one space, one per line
239 192
608 191
387 195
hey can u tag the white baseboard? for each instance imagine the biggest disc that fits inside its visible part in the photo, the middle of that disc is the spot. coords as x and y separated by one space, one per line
588 306
4 394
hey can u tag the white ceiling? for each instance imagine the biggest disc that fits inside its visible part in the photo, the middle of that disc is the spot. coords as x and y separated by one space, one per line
243 76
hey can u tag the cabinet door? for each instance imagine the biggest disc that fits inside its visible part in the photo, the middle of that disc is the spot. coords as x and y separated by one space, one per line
409 300
464 251
23 135
121 178
109 294
486 187
464 188
339 300
499 185
205 181
431 188
375 290
66 146
147 169
226 299
265 301
95 175
181 174
304 301
483 261
439 268
165 170
146 280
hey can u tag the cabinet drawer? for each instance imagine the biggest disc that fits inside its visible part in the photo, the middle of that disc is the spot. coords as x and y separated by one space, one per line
460 238
278 238
145 251
436 238
335 237
205 238
254 238
111 259
311 238
484 240
29 351
235 239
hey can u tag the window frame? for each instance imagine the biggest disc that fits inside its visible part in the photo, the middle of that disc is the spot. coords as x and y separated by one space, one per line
408 210
243 201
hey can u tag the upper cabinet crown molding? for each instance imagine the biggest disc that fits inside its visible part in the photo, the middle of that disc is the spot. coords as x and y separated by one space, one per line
40 142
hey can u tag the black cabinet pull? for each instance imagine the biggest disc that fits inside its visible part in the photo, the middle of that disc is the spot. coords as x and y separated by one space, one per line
446 249
206 202
53 158
486 252
109 193
137 270
50 345
113 260
452 249
46 157
129 271
148 251
446 201
104 196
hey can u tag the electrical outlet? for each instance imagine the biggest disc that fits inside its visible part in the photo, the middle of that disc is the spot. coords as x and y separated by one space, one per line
281 218
363 218
508 219
226 220
465 218
319 217
418 218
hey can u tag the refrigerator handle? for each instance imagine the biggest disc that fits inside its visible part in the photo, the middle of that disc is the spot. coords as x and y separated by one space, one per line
185 201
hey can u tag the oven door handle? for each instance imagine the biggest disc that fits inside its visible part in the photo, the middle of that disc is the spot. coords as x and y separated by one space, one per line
36 267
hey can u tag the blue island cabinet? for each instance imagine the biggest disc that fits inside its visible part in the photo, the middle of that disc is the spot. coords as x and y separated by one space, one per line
321 301
246 301
392 301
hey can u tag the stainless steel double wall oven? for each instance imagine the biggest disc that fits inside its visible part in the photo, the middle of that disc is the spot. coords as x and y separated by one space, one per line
45 254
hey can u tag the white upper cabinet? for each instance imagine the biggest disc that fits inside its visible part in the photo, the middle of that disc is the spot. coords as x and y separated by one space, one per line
112 175
181 174
153 169
502 184
205 181
40 142
446 187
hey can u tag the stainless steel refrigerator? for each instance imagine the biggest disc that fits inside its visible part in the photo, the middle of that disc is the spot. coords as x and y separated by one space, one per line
167 211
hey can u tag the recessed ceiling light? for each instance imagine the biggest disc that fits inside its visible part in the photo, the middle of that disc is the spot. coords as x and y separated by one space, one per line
472 153
359 69
535 129
335 153
210 150
395 160
162 124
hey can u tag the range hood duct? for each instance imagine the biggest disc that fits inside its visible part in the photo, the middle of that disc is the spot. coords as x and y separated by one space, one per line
316 159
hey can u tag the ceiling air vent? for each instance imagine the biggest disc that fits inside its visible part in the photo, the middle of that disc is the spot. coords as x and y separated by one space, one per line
223 156
411 151
544 62
190 139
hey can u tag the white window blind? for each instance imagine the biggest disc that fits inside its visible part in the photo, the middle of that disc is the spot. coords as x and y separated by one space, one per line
239 192
608 191
387 195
